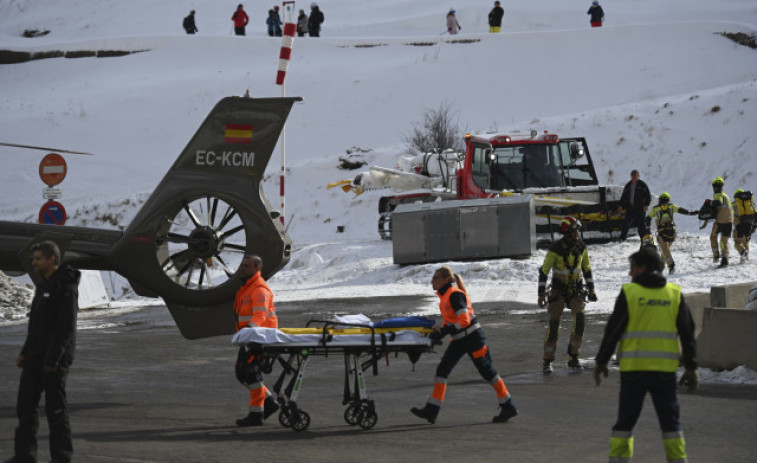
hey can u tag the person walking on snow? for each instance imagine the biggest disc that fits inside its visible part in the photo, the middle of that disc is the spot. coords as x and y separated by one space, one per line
274 24
467 338
635 200
240 19
745 218
189 23
597 14
302 24
568 260
666 228
315 20
649 317
495 18
723 212
453 27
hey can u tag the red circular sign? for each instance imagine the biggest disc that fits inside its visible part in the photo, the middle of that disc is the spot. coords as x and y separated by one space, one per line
52 169
53 213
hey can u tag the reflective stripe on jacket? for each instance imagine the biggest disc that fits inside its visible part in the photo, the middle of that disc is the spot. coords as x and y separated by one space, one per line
650 341
459 318
253 304
568 266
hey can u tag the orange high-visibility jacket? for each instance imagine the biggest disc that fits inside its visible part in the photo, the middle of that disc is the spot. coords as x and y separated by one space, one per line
461 319
253 304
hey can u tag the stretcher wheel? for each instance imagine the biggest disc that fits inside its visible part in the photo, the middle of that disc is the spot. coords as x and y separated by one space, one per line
300 421
285 419
351 414
367 418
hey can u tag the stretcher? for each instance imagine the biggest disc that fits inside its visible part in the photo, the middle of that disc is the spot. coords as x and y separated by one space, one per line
292 348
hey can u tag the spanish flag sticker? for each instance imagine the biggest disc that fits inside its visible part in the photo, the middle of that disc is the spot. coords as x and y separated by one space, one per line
238 133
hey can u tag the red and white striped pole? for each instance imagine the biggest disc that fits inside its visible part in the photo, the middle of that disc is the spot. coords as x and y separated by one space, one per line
287 40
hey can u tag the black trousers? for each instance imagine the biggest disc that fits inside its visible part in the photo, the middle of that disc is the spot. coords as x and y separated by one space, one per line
634 217
34 381
467 345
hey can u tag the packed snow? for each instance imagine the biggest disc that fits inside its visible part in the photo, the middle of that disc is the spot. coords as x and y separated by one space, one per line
658 88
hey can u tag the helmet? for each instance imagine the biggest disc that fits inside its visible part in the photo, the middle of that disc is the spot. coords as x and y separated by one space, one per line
664 197
738 191
569 224
718 181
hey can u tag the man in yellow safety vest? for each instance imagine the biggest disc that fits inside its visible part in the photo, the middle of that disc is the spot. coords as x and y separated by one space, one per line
649 317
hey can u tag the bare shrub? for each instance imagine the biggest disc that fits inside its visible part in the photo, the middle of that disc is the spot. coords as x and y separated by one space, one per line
439 130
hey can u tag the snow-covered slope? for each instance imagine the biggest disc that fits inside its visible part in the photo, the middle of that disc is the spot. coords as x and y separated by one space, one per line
656 89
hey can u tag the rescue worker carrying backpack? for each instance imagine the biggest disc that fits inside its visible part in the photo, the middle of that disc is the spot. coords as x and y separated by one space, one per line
745 222
666 228
721 205
568 259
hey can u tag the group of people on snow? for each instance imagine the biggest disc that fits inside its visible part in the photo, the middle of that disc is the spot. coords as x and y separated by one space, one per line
310 25
735 218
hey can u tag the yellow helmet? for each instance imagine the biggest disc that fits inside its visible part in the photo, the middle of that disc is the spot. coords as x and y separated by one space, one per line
718 181
664 197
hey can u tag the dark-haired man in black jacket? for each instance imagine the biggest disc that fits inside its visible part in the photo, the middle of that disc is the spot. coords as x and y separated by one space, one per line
46 356
635 200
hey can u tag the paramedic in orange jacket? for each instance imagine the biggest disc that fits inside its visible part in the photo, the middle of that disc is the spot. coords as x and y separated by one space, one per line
467 338
253 307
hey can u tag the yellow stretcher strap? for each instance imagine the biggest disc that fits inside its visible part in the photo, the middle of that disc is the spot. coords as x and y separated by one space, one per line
419 329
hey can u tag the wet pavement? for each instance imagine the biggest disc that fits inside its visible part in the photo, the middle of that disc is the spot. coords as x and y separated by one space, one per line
139 392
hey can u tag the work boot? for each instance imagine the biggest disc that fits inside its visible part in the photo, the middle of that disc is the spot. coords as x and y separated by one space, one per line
506 412
723 262
252 419
270 406
744 257
428 413
546 367
671 268
715 258
574 363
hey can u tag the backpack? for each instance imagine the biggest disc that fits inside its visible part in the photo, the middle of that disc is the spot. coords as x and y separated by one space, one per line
743 195
186 24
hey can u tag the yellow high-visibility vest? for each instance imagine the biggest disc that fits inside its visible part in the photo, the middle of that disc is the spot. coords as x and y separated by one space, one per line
650 342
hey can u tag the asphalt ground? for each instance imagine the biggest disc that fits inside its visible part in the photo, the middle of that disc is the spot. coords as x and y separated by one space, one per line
139 392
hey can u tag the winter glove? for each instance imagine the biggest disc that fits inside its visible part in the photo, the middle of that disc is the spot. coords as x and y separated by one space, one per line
690 379
648 221
592 296
694 212
542 300
599 370
436 337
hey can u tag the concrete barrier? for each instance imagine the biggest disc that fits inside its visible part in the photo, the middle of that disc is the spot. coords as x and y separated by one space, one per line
732 296
698 303
727 339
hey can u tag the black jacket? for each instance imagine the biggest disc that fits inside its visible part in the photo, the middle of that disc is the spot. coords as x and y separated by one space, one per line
315 20
641 198
618 322
597 13
51 338
495 16
189 24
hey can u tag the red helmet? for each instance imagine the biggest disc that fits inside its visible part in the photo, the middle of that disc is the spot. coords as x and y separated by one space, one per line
569 224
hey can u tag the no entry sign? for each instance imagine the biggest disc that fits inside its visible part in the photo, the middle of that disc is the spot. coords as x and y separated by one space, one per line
52 213
52 169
